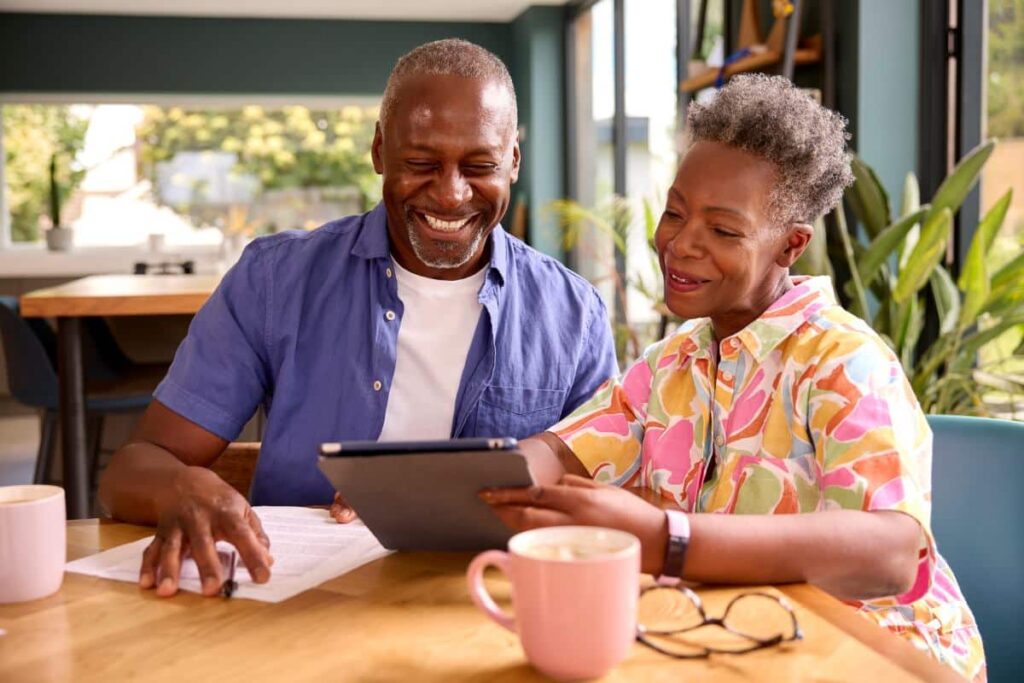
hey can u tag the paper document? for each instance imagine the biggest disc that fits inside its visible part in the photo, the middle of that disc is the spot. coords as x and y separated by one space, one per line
308 546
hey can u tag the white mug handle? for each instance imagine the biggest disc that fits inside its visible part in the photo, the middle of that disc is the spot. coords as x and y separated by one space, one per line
477 590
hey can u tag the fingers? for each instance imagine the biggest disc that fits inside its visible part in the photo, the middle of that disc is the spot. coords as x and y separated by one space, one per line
580 482
522 518
561 498
170 562
251 548
150 563
340 510
203 549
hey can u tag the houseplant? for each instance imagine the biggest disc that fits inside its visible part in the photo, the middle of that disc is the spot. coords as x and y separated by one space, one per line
59 237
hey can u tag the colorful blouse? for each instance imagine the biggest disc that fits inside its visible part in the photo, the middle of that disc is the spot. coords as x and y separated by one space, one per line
805 409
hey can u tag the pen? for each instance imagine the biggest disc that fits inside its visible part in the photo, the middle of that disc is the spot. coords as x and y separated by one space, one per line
230 585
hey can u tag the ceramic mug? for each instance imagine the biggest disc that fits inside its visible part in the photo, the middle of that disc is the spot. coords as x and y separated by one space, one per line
32 542
574 593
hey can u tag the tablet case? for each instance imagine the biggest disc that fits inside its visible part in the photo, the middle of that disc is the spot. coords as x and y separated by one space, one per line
428 501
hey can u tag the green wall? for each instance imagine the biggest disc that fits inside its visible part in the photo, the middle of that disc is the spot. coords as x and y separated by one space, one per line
121 54
538 37
888 73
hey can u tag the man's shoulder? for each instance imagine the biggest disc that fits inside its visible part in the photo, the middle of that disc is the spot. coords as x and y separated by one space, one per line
332 235
536 268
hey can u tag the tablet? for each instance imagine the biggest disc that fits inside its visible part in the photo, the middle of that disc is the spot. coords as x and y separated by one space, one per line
423 495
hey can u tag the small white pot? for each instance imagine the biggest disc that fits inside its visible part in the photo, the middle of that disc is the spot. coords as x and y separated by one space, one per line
60 239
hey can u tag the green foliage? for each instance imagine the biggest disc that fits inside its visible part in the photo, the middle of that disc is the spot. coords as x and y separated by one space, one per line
34 137
614 218
1006 68
292 147
901 271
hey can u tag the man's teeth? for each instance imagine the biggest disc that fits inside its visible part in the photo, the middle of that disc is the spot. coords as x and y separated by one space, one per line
445 226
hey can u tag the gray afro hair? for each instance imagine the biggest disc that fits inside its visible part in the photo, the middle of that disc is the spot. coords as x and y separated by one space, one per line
767 116
448 57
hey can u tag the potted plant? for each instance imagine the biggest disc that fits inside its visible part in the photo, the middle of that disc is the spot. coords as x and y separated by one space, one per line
59 237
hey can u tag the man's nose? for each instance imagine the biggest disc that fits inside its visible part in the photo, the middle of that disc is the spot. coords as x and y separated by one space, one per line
452 190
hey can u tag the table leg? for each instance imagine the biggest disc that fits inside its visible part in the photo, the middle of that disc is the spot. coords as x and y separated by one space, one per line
72 417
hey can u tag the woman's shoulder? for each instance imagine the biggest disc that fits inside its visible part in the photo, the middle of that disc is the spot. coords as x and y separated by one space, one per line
835 334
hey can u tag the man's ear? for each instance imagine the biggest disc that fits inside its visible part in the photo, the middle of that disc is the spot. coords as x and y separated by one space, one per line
378 140
514 174
797 237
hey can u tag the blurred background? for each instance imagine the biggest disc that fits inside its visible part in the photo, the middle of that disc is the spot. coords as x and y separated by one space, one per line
168 133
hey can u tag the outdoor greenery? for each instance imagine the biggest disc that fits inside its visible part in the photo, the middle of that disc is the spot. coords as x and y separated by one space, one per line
959 341
292 147
34 136
1006 68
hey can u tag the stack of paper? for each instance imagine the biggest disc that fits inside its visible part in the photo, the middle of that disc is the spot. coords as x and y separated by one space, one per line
308 546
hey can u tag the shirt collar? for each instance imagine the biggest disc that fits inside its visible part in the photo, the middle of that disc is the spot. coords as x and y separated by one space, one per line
373 243
800 304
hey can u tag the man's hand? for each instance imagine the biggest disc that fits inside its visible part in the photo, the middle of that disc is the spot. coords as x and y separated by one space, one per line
341 511
577 500
205 509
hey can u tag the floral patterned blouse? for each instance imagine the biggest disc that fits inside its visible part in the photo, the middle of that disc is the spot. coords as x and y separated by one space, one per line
805 409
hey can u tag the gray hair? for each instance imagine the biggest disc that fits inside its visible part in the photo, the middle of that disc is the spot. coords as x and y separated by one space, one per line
448 57
767 116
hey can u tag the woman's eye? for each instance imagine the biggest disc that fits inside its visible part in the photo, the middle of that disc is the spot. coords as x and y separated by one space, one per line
723 231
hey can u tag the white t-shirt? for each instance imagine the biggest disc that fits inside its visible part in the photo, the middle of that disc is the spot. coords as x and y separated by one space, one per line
436 331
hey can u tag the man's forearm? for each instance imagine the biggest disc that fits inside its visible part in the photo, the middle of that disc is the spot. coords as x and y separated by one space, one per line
138 481
849 553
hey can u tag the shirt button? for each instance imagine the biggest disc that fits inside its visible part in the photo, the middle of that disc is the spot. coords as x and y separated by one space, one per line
377 385
390 315
727 376
719 440
388 272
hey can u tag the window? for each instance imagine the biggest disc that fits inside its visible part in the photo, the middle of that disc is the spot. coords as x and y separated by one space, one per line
120 172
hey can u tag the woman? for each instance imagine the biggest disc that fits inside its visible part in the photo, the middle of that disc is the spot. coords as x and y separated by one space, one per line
770 399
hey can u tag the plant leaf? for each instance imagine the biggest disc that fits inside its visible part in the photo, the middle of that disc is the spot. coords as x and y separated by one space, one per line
868 198
887 241
947 299
926 255
911 203
958 183
859 305
1012 272
974 280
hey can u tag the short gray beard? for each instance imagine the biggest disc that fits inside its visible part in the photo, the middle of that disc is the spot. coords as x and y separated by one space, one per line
447 254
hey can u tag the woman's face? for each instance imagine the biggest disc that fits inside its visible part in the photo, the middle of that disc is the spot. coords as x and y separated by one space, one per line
721 255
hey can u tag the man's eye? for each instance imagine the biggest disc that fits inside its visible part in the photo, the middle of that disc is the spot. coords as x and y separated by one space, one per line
420 165
480 169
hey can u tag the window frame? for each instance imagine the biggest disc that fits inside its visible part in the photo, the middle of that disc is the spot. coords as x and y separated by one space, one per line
226 101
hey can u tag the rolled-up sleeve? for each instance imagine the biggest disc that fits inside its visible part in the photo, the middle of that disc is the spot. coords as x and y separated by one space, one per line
607 432
220 372
873 444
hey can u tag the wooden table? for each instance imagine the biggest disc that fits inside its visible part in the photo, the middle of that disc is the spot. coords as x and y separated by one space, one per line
406 617
101 295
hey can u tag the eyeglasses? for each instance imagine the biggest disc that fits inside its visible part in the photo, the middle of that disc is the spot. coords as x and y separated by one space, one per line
671 616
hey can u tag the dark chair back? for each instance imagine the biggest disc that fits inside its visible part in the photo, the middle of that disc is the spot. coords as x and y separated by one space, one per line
978 521
29 349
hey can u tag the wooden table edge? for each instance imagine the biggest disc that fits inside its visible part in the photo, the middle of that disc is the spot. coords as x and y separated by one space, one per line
46 306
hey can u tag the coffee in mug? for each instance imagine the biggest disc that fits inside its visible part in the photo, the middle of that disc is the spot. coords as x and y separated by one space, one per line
32 542
574 592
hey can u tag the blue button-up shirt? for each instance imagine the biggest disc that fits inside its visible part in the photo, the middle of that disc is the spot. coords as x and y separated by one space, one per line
299 324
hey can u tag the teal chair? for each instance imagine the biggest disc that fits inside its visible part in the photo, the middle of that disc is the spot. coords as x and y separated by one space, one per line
978 521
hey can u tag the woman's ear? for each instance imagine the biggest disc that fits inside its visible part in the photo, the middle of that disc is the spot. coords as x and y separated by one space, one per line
797 237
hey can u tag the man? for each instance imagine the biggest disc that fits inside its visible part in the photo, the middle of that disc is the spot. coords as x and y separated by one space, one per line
420 319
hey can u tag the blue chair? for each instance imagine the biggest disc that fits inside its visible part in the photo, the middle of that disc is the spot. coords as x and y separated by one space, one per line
113 386
978 521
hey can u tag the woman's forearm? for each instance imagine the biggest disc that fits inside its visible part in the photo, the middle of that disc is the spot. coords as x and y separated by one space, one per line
849 553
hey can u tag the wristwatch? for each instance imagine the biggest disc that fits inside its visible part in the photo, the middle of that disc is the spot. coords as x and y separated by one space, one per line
675 549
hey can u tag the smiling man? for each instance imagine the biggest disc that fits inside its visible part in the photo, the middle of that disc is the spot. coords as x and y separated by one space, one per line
421 319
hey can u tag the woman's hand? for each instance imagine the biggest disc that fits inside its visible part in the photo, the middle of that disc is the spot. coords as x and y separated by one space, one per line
581 501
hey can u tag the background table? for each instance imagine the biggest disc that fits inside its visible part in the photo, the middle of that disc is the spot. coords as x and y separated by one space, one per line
101 295
405 617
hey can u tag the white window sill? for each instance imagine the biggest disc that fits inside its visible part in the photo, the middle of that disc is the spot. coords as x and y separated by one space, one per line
33 260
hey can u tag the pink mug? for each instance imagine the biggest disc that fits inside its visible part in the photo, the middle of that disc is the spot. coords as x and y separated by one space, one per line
32 542
574 592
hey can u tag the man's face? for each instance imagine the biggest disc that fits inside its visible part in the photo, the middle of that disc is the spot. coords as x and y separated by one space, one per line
448 156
